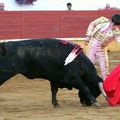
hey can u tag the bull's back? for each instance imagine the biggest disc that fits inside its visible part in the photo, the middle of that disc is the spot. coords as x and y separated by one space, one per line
41 57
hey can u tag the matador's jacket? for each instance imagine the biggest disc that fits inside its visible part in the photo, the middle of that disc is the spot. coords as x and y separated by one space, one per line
101 32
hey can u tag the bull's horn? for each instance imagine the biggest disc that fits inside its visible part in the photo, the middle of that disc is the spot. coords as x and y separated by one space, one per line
100 84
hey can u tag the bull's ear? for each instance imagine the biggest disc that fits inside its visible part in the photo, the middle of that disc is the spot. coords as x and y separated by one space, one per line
2 50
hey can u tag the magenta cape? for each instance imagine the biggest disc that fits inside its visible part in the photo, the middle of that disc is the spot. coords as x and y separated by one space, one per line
112 86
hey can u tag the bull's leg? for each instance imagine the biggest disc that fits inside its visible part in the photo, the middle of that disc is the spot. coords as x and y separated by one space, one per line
79 84
54 90
83 99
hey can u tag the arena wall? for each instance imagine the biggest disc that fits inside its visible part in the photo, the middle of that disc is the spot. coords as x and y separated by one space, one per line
49 24
114 46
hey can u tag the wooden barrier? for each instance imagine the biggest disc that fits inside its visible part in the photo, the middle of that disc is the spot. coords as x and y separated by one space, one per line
114 46
50 24
47 24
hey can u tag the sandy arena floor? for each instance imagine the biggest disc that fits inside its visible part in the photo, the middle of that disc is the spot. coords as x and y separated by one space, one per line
24 99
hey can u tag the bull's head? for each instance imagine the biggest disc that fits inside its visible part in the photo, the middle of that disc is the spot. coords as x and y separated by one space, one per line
96 89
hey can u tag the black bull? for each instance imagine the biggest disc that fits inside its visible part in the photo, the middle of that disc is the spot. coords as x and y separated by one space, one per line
45 58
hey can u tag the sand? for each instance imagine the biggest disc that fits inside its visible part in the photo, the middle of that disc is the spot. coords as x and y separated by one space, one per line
25 99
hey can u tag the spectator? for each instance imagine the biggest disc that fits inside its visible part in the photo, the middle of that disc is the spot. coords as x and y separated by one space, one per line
69 6
2 7
108 7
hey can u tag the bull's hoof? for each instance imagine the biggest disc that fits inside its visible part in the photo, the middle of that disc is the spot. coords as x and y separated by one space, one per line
96 104
56 105
85 103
